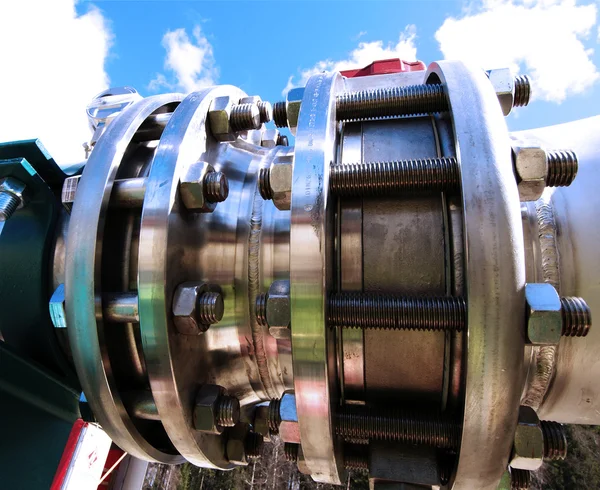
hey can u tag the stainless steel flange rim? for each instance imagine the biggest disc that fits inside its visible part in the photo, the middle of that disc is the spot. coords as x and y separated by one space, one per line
311 261
494 272
83 281
177 364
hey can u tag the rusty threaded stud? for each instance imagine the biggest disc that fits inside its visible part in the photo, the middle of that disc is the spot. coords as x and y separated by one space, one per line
261 309
520 479
253 445
274 417
555 440
216 187
576 317
228 411
290 451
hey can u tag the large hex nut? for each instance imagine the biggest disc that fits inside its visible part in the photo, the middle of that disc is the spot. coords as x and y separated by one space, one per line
503 82
279 309
16 188
192 190
236 444
218 118
292 106
186 307
531 169
289 429
280 180
528 448
206 408
544 318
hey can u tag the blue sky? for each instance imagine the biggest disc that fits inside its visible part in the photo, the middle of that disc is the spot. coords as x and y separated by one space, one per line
163 46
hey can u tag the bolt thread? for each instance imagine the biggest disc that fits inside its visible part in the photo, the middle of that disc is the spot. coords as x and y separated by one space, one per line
253 445
210 308
562 168
576 317
264 183
290 451
391 101
380 311
282 140
280 115
8 205
522 90
355 460
244 117
520 479
274 417
261 309
265 110
388 178
228 411
555 440
216 187
398 425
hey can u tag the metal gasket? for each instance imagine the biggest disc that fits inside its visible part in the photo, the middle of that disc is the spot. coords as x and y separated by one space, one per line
311 264
494 271
83 281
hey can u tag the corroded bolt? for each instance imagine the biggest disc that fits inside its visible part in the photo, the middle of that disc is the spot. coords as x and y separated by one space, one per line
555 440
196 306
216 187
11 197
214 410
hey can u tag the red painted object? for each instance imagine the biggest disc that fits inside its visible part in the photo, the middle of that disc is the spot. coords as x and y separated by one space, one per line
382 67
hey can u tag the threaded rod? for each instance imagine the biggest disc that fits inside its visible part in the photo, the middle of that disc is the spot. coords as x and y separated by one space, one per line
274 417
562 168
398 425
253 445
391 101
520 479
280 115
290 450
355 458
216 187
228 411
388 178
8 205
264 183
244 117
261 309
555 440
576 317
381 311
265 110
522 90
210 308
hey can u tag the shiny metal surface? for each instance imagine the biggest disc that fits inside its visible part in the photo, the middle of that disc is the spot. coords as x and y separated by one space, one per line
83 284
495 292
310 274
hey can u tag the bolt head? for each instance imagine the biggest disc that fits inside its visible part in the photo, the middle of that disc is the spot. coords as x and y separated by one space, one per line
292 104
236 444
531 169
503 82
57 307
279 309
281 172
544 318
218 118
528 448
15 187
191 188
186 314
206 407
269 138
289 429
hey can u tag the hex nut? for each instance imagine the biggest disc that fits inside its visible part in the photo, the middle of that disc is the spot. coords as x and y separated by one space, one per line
289 429
504 84
269 138
206 409
16 188
280 180
531 169
57 307
278 309
293 102
191 188
218 118
528 447
544 317
236 444
186 308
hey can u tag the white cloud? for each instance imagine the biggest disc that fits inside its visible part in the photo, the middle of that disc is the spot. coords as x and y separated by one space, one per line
52 65
543 38
364 54
190 61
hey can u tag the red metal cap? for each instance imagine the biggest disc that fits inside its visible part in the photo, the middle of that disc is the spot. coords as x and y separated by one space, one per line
381 67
